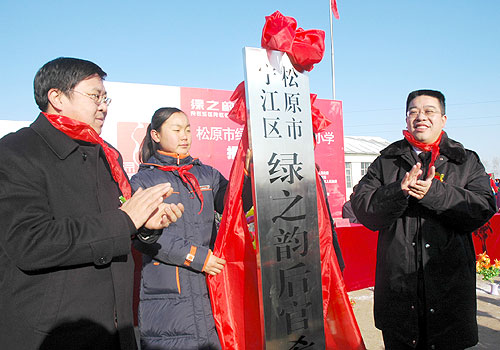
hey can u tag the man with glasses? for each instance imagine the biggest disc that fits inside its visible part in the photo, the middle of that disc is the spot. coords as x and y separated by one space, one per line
425 195
66 221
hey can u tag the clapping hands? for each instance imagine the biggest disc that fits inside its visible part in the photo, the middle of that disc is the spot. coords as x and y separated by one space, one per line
411 185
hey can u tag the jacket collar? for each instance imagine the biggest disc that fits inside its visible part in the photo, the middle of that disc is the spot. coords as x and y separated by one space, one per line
61 144
450 148
164 159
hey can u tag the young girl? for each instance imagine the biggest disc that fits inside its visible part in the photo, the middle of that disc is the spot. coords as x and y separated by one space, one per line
174 309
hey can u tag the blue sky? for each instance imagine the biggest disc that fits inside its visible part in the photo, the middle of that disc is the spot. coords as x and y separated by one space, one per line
383 50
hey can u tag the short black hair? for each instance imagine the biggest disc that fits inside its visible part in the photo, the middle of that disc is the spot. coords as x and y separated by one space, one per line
433 93
62 73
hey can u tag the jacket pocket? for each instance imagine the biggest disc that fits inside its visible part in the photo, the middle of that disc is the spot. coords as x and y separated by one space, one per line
160 278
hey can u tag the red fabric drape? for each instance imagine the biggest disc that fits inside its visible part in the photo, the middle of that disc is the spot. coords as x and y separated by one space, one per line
238 113
341 329
234 292
82 131
319 121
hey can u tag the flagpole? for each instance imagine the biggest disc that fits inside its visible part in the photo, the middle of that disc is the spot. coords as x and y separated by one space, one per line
331 41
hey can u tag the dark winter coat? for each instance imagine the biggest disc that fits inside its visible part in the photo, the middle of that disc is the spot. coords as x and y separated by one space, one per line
452 208
65 263
174 309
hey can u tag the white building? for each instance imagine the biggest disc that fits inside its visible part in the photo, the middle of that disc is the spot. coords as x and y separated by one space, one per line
359 153
8 126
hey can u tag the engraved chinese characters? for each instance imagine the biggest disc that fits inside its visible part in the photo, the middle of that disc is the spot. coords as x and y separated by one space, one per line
281 137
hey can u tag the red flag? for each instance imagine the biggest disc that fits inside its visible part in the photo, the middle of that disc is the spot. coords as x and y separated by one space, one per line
334 8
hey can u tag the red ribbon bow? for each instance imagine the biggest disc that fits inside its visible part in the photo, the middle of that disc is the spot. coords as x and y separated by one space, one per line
305 48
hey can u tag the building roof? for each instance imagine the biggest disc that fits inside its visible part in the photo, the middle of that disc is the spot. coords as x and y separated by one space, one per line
364 144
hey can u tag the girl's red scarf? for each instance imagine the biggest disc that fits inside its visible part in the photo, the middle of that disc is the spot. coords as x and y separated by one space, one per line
82 131
426 147
185 176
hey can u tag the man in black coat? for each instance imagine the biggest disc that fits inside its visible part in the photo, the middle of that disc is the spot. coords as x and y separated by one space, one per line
66 269
425 195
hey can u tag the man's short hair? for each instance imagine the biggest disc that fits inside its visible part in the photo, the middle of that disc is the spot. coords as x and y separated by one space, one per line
433 93
63 73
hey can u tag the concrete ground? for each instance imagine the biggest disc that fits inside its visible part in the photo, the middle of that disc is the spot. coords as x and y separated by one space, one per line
488 317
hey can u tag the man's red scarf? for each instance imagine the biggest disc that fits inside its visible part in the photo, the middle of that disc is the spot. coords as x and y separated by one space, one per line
426 147
82 131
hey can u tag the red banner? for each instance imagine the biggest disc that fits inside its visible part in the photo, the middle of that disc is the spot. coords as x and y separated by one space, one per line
487 238
359 249
216 138
329 155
